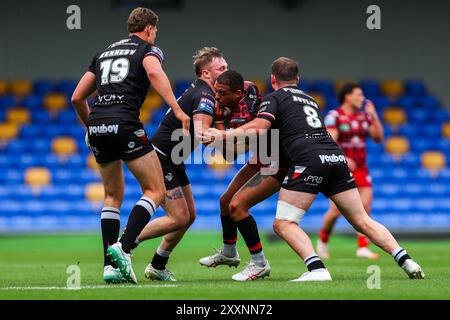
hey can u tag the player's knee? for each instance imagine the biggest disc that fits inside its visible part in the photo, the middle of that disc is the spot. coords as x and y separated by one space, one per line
237 210
279 227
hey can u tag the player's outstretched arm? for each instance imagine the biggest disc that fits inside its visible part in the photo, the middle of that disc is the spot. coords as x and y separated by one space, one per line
257 126
376 131
84 89
161 83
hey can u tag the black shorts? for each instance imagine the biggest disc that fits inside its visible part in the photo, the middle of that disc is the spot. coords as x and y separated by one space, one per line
325 171
174 174
113 139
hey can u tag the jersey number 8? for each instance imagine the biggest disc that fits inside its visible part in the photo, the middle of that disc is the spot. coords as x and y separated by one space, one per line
114 71
312 117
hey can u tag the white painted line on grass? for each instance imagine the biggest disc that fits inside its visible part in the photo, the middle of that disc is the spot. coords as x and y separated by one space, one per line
91 287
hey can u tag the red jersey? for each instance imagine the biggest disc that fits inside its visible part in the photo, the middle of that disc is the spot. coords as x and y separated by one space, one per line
353 130
248 106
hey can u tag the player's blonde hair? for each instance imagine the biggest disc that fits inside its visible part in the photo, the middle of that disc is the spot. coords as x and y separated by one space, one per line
203 57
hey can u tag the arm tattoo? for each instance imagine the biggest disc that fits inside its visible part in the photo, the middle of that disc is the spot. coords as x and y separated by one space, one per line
176 193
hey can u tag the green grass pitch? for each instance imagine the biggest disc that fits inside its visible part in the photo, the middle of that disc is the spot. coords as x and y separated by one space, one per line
34 267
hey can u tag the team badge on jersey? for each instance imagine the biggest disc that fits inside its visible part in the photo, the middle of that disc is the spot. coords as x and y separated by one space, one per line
206 105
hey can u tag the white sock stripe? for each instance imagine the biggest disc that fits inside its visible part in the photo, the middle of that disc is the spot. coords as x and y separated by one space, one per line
311 259
110 213
399 255
148 204
396 251
163 253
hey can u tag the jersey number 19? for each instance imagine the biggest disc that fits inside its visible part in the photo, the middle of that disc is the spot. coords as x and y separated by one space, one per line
114 71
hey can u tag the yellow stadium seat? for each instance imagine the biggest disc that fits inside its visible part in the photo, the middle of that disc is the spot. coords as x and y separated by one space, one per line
91 163
18 116
218 162
3 87
37 176
64 146
21 87
394 116
392 88
55 102
95 192
8 131
320 99
152 102
145 115
397 145
261 84
433 160
446 130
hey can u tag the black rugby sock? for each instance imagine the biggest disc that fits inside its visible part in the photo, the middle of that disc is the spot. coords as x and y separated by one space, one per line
139 217
110 225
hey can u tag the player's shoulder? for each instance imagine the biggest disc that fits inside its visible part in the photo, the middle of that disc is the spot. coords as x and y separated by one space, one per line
200 89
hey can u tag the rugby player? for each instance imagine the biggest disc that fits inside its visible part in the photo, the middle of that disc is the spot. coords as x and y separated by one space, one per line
198 102
349 125
317 164
248 187
121 74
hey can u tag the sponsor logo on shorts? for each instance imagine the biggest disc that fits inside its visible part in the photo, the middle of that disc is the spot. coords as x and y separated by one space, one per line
141 134
169 176
133 150
104 129
131 144
331 159
314 180
298 170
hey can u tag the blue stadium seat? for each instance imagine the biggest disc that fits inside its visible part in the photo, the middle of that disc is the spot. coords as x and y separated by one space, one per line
32 102
381 102
8 101
325 87
16 147
419 116
415 88
427 102
41 117
43 87
32 131
406 102
303 85
67 87
371 88
67 117
181 86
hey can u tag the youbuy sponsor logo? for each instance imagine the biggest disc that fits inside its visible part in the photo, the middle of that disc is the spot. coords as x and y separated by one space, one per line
112 128
332 158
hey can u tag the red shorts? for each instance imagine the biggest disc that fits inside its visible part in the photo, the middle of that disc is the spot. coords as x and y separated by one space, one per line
362 177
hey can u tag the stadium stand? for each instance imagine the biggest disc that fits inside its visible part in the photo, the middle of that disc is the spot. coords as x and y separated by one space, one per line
42 144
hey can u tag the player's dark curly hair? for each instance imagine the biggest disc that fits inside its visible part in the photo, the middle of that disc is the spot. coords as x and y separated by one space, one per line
346 89
141 17
233 79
